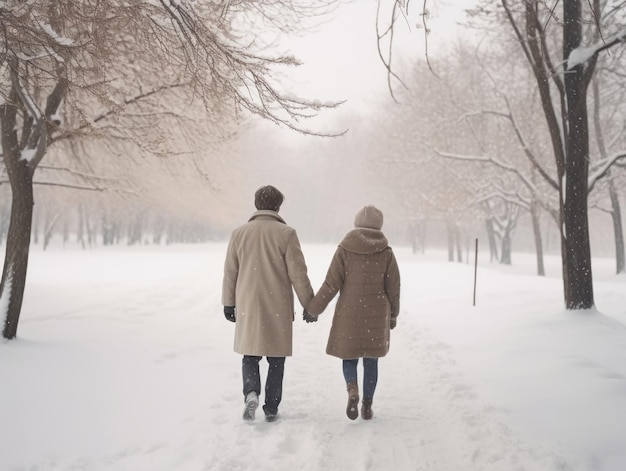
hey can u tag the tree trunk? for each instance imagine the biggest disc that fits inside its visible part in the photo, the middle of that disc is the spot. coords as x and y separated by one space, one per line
135 230
491 237
66 231
534 215
158 230
450 232
618 229
91 238
20 225
17 250
459 245
570 143
576 251
50 224
418 236
616 213
107 230
80 231
505 258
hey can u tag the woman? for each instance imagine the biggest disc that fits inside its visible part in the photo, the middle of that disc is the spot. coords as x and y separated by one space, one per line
365 273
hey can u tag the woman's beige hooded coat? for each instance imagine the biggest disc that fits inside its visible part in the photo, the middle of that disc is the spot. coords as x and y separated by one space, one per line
264 265
365 273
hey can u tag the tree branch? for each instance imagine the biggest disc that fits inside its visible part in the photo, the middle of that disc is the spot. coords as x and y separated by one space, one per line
600 168
77 187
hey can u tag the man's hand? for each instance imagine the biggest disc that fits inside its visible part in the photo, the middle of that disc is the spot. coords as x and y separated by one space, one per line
229 313
308 317
392 323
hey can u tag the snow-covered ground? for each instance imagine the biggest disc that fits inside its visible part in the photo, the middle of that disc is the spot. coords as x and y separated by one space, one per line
124 361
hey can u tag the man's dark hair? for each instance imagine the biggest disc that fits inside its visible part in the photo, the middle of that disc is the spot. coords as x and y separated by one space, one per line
268 197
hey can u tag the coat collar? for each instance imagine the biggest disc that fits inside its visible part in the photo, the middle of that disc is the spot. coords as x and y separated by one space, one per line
364 241
266 214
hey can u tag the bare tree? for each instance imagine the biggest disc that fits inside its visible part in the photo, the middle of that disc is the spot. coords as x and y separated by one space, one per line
605 142
570 132
111 69
586 29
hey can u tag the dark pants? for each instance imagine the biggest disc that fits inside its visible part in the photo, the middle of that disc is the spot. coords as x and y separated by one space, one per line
370 375
273 384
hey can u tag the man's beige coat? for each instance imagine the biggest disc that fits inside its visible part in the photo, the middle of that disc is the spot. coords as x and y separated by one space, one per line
264 265
365 273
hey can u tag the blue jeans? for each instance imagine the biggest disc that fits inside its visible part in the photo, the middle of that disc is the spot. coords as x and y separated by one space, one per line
370 374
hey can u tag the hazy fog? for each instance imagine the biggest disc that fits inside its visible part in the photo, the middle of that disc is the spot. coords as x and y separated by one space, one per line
386 156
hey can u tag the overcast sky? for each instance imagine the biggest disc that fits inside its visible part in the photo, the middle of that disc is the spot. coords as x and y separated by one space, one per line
320 176
341 61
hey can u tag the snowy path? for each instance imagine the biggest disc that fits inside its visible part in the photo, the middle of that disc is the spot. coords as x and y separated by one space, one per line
427 419
139 374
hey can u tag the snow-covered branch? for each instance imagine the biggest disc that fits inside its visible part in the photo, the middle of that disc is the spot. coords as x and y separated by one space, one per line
83 175
510 169
135 99
520 137
581 54
230 69
80 187
492 161
506 197
600 168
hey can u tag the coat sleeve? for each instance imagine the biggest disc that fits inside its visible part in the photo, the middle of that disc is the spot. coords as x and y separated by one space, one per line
331 286
392 285
297 271
231 272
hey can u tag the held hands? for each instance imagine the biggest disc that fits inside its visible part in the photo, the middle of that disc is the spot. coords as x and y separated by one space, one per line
308 318
229 313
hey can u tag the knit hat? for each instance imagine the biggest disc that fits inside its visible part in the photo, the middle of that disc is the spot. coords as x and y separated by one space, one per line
370 217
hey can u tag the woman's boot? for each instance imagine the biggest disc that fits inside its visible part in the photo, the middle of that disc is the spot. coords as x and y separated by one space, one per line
352 410
366 409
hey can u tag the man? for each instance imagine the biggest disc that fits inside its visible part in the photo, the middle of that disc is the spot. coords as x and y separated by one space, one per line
264 265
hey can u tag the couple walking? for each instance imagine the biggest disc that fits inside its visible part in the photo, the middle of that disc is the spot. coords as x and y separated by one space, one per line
265 265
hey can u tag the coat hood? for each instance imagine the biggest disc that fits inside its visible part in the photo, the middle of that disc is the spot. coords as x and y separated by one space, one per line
364 241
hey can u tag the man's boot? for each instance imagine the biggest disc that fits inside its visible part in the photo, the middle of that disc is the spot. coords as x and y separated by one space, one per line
352 410
252 402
